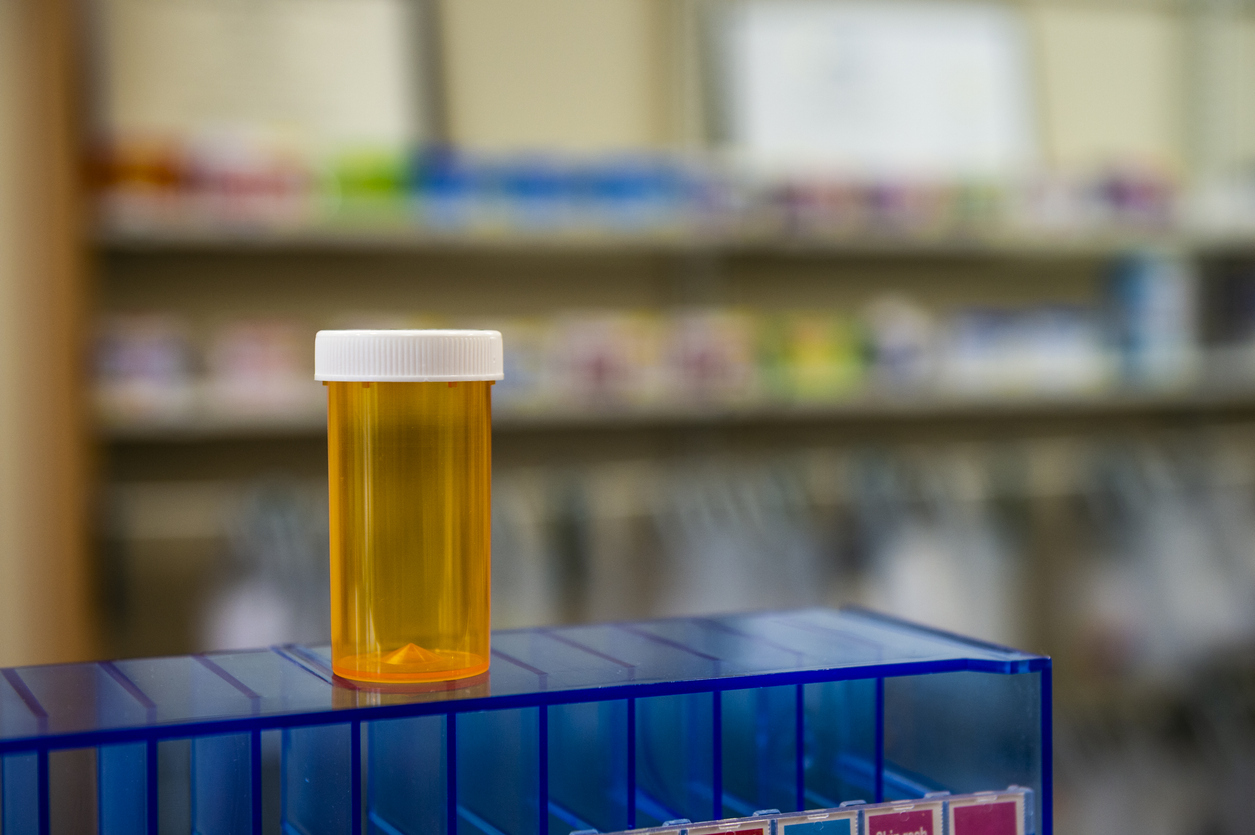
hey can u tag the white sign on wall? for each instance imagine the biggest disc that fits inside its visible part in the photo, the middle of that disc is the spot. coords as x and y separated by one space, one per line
879 88
328 72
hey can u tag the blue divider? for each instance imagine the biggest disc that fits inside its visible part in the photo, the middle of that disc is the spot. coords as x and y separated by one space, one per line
19 794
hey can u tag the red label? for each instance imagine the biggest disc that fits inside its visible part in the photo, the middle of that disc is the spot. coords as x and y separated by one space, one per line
985 819
901 823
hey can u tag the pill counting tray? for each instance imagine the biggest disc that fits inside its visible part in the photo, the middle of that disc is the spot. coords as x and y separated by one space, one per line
607 727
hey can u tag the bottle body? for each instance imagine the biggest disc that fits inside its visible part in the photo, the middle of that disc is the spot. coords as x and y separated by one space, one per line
410 471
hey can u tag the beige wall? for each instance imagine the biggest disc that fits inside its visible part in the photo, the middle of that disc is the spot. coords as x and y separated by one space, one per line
1113 80
567 75
43 577
1112 83
1223 41
320 71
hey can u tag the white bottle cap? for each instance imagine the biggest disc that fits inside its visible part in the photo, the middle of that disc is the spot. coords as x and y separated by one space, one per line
408 356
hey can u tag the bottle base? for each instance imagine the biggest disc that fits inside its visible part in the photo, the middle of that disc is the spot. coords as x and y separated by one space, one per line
410 663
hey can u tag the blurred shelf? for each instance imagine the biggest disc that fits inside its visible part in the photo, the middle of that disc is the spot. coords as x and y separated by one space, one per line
400 237
387 237
212 426
868 409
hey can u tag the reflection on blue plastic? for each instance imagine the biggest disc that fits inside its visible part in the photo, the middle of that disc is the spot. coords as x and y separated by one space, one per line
19 777
607 727
411 794
317 793
222 785
122 788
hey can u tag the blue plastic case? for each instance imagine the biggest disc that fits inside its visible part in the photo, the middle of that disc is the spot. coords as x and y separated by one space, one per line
606 727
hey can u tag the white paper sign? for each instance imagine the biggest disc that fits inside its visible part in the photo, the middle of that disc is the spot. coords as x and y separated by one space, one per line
880 88
326 71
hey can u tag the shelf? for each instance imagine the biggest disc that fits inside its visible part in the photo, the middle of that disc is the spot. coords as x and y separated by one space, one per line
629 724
401 237
208 427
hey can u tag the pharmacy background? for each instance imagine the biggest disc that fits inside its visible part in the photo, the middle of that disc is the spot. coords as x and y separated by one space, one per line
941 308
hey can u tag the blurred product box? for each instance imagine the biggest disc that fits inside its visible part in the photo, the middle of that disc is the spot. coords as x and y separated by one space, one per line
901 344
1152 305
260 367
528 375
810 357
819 206
606 360
710 357
145 368
617 361
1042 350
1114 200
217 180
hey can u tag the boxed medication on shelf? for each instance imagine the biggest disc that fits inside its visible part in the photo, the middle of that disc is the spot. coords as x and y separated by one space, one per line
904 819
819 822
982 813
990 813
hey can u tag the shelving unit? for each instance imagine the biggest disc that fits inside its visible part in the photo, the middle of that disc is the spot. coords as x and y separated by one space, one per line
400 236
905 410
1080 258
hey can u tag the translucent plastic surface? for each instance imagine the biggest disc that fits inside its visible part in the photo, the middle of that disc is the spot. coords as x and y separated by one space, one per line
609 726
410 480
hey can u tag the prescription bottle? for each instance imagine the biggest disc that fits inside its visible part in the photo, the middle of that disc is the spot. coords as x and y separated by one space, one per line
409 451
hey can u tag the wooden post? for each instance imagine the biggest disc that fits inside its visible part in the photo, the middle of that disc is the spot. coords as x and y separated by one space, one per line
45 611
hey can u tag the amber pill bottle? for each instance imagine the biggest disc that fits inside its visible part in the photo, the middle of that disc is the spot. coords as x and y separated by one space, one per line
409 451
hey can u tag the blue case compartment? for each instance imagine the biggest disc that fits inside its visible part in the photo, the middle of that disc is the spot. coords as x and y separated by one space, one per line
606 727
